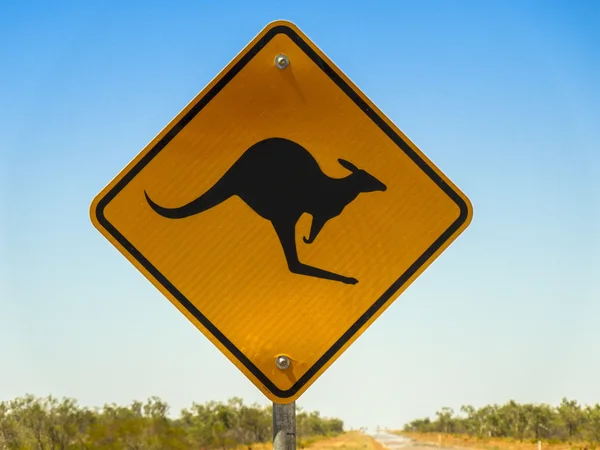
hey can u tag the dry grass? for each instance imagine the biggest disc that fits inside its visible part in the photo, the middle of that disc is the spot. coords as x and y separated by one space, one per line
463 441
353 440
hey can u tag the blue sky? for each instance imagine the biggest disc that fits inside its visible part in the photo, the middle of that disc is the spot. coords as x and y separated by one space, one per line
502 96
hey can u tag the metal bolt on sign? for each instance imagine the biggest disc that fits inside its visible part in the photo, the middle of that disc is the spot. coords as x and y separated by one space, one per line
282 61
282 362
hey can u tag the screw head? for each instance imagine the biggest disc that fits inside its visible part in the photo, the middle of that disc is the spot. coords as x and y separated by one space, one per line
282 362
282 61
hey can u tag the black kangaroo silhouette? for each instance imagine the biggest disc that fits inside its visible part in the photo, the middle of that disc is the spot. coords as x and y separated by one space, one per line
280 180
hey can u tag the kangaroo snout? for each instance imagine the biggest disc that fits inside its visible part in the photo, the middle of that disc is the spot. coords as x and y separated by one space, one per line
380 186
371 184
366 181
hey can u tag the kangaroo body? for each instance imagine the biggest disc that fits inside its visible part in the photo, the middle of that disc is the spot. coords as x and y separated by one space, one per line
280 180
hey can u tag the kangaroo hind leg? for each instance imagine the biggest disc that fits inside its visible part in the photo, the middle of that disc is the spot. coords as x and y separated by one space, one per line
286 231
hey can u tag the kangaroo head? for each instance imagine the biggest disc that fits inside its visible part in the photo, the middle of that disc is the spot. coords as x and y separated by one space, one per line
364 180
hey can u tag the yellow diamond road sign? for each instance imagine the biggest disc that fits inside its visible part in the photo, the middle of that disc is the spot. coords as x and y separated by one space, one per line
281 212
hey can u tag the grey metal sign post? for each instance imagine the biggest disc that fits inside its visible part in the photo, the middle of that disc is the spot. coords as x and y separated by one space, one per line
284 426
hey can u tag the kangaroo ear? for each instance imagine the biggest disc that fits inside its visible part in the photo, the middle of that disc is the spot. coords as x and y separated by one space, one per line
348 165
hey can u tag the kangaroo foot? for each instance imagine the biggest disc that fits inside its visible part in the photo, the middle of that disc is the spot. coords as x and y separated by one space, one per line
303 269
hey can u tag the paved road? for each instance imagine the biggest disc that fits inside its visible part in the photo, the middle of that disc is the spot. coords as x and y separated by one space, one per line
395 442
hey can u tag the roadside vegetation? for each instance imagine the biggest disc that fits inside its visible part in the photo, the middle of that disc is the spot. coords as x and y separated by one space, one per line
31 423
512 425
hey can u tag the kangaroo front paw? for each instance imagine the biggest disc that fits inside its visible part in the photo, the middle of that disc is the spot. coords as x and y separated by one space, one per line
350 280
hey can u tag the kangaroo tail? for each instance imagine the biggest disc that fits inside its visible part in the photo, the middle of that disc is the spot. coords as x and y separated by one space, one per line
215 195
